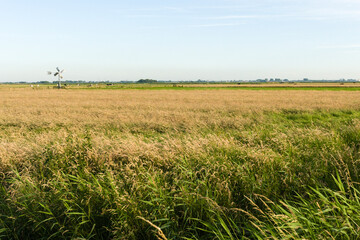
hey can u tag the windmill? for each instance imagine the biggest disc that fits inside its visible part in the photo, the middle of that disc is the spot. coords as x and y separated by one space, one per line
59 74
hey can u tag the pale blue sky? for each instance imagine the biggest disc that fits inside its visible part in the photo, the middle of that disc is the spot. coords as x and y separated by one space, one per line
179 40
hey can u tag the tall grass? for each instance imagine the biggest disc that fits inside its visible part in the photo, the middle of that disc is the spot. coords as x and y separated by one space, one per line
324 213
211 172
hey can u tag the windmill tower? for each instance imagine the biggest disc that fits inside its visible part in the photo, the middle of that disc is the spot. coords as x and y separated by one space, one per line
58 73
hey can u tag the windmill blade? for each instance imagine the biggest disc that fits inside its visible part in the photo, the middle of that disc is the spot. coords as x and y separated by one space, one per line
56 74
49 73
62 71
57 68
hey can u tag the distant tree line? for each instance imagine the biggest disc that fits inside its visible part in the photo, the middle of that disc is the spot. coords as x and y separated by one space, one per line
199 81
147 81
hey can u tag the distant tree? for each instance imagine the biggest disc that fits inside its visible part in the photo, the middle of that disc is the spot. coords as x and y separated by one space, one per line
147 81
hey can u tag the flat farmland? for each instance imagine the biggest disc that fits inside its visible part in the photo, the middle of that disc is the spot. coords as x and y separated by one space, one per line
176 164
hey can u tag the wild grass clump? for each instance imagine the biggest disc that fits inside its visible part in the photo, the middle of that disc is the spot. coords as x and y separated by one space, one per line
323 213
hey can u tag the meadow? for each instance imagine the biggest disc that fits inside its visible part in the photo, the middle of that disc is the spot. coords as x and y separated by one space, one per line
222 163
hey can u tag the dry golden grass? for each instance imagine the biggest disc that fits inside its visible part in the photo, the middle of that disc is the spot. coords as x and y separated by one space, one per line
30 119
167 107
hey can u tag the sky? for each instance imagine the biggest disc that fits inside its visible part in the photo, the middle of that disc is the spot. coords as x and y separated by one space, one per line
99 40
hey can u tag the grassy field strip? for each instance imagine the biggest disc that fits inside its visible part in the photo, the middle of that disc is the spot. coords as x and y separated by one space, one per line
199 86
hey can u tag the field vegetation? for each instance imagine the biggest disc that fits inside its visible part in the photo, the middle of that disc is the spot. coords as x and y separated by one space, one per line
170 164
148 84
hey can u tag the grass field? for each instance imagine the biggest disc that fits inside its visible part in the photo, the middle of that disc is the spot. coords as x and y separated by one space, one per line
335 86
175 164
